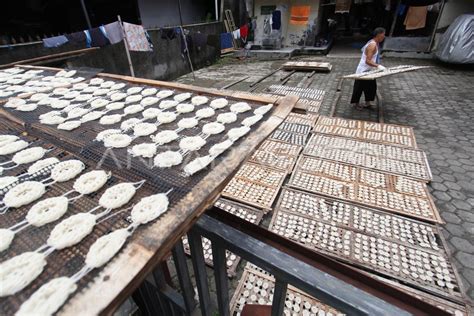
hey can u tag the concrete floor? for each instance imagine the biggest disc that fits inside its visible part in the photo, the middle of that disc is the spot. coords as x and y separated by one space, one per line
437 102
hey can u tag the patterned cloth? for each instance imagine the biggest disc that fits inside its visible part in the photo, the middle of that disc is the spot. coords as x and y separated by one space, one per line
136 37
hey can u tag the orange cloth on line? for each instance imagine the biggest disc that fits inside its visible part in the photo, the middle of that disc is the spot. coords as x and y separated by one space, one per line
299 15
416 18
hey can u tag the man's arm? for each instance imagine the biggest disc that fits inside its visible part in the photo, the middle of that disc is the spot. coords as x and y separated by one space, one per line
369 53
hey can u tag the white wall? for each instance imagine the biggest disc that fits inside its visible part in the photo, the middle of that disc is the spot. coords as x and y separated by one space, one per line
292 34
453 9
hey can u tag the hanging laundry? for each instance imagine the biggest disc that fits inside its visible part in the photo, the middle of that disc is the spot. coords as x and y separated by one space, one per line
88 38
136 37
98 38
236 34
55 41
300 14
267 27
114 32
276 20
244 32
78 38
416 18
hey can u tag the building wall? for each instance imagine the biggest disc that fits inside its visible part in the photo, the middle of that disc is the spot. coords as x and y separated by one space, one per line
165 62
452 9
293 35
165 12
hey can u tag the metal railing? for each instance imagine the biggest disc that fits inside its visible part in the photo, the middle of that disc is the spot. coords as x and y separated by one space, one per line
160 299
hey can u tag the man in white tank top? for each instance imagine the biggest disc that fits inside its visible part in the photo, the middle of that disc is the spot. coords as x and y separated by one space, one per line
369 61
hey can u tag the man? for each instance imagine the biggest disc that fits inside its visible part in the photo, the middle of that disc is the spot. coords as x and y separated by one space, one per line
369 61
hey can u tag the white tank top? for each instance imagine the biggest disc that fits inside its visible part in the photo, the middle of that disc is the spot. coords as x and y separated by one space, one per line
363 67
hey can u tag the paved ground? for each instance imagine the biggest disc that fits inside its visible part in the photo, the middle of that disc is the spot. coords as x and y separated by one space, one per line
437 102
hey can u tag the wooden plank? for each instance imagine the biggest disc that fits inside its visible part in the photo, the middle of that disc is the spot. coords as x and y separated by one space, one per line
150 246
307 66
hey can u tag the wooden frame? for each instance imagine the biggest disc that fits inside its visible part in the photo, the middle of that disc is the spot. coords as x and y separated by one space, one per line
151 244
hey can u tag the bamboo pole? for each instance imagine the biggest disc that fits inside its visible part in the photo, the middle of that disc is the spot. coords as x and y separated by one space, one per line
125 41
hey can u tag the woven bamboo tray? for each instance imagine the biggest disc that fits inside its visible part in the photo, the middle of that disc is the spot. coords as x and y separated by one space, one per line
288 137
367 131
374 74
276 154
269 159
424 269
256 185
366 187
295 128
312 106
306 93
304 119
392 159
362 219
280 148
257 288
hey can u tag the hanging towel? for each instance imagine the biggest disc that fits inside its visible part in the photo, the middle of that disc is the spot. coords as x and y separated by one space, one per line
114 32
244 31
416 18
88 38
55 41
98 38
78 38
300 14
136 37
236 34
276 19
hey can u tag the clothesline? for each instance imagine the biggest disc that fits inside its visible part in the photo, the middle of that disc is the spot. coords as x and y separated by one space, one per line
112 33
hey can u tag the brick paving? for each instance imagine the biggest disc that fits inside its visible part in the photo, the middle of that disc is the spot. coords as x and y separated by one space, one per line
437 102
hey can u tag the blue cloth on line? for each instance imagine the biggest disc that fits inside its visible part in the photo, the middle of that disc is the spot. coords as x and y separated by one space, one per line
276 19
55 41
226 40
401 9
88 39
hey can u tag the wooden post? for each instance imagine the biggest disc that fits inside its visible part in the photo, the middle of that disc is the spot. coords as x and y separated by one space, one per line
395 18
86 14
184 38
436 25
125 41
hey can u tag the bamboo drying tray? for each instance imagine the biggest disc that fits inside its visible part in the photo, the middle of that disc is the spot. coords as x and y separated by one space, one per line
390 134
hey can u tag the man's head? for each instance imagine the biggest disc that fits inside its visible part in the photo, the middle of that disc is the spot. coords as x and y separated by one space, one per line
379 34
